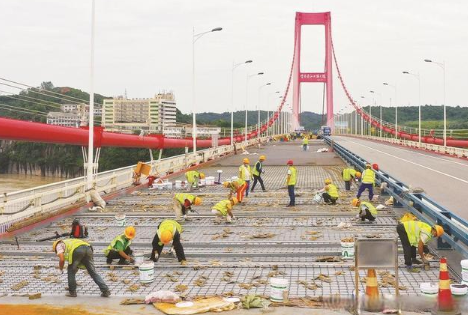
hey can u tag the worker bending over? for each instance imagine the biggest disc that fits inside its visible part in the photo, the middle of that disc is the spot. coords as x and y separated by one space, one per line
291 180
348 175
257 173
183 202
192 179
245 173
413 236
120 249
237 186
329 192
366 210
168 231
367 182
224 208
305 143
78 254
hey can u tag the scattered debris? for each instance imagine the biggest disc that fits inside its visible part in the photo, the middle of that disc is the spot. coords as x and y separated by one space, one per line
246 286
254 301
263 235
134 288
323 278
309 286
328 259
343 225
132 301
35 296
347 240
19 285
181 288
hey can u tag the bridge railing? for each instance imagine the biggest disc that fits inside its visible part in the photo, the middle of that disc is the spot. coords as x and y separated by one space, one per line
47 199
422 206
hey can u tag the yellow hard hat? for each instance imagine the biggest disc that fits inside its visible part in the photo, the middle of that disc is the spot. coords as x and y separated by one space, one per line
234 200
54 245
130 232
328 181
197 201
262 158
246 161
166 237
368 165
226 184
439 230
355 202
202 175
358 174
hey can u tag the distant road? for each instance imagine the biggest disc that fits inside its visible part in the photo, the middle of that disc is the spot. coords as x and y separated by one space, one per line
444 179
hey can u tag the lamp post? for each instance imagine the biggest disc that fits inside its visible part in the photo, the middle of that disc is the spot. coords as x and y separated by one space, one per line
380 96
442 66
196 37
396 107
362 119
268 111
258 107
419 105
247 98
90 164
234 67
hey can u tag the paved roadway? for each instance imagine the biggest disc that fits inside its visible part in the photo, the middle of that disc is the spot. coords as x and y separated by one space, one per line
444 179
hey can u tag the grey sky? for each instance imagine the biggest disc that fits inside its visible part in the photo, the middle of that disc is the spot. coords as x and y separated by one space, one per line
144 46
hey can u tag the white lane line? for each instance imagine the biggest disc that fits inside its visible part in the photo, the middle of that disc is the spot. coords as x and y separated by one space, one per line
408 161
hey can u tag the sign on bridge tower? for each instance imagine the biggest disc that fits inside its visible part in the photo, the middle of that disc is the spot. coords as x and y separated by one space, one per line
299 77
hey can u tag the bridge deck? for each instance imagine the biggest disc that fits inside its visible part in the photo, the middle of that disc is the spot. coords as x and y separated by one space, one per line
295 238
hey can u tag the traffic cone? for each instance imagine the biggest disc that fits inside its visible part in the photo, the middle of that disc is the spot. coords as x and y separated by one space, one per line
372 292
445 304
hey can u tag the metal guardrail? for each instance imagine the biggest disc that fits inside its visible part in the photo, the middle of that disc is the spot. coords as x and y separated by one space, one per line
423 207
17 206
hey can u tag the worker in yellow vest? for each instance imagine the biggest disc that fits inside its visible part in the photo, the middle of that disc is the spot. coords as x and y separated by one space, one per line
329 192
245 173
348 174
120 249
78 254
413 236
305 143
192 179
224 209
291 181
366 210
184 202
237 187
168 231
367 182
257 173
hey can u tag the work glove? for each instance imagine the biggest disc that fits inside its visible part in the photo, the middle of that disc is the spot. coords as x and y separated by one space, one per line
183 263
130 259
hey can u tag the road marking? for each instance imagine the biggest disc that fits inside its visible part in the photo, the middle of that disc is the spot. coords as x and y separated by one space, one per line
420 165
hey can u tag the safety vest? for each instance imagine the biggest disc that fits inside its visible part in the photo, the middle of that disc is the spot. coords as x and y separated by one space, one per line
414 230
255 172
223 207
70 246
239 183
181 198
368 205
192 176
305 141
368 176
242 169
119 238
169 225
348 173
333 191
293 175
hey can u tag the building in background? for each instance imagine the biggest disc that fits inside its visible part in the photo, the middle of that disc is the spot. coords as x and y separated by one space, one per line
151 115
70 113
63 119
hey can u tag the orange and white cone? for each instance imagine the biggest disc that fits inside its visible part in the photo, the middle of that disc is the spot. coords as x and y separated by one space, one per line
372 291
445 303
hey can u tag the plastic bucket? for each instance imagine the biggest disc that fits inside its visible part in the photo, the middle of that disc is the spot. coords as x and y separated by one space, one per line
120 219
347 250
139 258
203 182
210 180
146 272
178 184
279 289
464 266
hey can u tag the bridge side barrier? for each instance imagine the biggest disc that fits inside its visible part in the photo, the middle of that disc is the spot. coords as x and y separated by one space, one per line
423 207
17 206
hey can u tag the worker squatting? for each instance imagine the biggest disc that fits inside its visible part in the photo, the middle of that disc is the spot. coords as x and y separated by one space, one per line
414 235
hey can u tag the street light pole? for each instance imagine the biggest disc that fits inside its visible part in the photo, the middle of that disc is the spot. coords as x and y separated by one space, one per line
268 111
396 107
234 67
258 107
90 166
196 37
419 107
442 65
247 99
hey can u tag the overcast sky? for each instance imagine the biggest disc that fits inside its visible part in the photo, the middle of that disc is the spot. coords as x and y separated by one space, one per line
145 46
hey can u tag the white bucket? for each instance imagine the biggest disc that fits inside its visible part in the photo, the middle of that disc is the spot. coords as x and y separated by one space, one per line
210 181
279 289
139 258
203 182
178 184
146 272
347 250
464 266
120 218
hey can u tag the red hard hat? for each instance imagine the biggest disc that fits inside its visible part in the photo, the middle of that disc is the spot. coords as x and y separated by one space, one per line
375 166
290 162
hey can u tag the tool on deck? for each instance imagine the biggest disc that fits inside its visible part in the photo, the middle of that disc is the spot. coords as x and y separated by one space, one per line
57 235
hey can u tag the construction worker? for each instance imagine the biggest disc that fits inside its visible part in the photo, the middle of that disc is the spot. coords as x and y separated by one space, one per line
78 254
168 231
245 173
291 183
348 175
224 208
237 186
184 202
120 249
366 210
413 236
305 143
329 192
367 182
257 173
192 179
